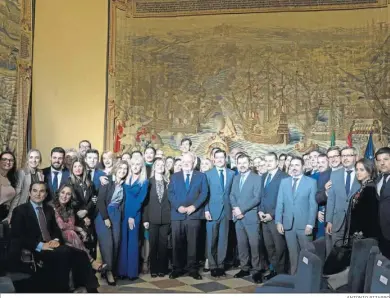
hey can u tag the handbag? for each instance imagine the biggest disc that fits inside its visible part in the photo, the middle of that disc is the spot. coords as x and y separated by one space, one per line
338 259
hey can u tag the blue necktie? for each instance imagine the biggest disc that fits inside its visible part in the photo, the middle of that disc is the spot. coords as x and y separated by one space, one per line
241 182
55 181
294 187
268 181
222 179
348 183
188 182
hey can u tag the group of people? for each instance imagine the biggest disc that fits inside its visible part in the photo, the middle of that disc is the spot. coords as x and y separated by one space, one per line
153 213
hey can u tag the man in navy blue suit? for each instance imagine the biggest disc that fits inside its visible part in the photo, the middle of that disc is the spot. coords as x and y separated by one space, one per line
55 175
273 241
187 193
92 159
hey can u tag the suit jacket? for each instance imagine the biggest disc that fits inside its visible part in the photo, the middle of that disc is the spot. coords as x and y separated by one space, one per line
47 174
384 211
300 209
218 203
154 211
104 199
269 196
26 233
83 200
248 199
23 188
196 195
338 201
321 196
96 179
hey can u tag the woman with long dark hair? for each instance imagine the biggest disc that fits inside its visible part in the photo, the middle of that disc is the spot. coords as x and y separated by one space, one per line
66 221
83 205
8 182
362 217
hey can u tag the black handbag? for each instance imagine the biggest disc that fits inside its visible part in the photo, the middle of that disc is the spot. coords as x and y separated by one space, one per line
338 259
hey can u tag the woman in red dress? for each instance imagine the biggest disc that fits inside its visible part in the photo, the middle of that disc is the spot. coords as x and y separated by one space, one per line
66 221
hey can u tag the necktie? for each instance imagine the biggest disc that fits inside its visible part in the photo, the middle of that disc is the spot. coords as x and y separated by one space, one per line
90 174
222 179
294 187
348 182
384 181
55 181
268 181
241 182
188 182
43 225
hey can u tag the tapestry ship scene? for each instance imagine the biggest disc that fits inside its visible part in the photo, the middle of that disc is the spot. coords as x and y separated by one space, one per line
266 89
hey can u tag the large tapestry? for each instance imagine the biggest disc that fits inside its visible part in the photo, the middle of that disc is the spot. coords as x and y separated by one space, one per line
16 25
228 75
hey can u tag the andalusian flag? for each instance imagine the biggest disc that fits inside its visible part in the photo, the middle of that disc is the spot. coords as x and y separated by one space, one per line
333 138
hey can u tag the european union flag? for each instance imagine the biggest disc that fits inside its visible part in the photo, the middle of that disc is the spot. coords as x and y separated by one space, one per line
370 151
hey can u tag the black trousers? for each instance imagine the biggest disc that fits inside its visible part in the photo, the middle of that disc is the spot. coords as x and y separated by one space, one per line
185 239
54 275
158 256
384 245
275 245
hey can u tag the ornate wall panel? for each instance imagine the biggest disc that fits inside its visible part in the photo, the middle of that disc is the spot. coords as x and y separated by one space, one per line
244 80
16 40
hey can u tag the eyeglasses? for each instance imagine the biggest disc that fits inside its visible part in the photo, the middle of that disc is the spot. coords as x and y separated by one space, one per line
334 156
348 155
7 160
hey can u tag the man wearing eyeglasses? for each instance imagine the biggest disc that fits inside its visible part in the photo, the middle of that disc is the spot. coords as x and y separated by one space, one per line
344 186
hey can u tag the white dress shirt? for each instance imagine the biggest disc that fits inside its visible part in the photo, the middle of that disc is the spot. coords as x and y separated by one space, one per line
59 176
224 174
353 177
272 173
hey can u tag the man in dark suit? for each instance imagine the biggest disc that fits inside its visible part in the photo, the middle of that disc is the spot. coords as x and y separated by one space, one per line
55 175
185 147
92 159
34 228
84 145
187 192
245 197
218 213
382 157
274 242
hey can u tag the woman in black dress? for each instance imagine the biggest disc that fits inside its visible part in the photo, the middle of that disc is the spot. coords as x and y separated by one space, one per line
363 207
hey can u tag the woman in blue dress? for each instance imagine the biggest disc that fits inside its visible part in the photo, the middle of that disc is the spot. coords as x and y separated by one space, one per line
136 188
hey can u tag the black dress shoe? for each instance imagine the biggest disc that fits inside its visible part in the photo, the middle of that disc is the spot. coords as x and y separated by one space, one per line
221 272
214 272
161 274
153 275
92 290
270 275
196 275
241 274
174 274
258 277
206 269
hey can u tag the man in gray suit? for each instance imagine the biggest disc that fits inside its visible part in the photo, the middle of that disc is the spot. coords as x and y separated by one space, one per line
218 212
344 186
274 242
296 210
244 198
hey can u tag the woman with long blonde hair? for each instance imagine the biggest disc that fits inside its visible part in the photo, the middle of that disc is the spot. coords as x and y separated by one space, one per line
135 188
157 218
30 173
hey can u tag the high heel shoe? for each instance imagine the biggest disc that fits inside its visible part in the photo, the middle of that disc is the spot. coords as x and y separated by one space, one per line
109 276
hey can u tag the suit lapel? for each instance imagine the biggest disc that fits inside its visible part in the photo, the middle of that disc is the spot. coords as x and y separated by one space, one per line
194 174
33 215
300 185
355 187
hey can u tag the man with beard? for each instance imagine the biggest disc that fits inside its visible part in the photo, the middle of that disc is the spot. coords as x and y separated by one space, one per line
94 174
244 199
296 210
84 145
55 175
